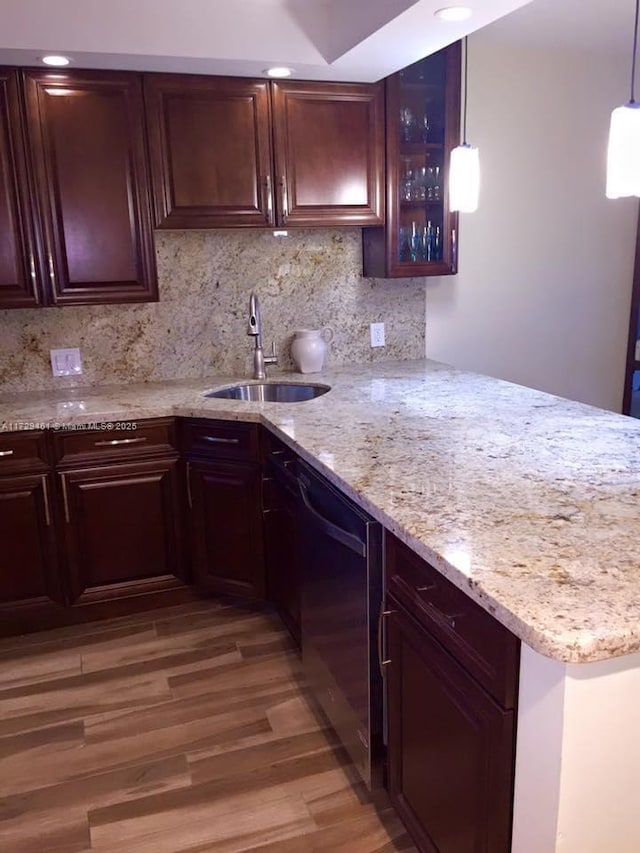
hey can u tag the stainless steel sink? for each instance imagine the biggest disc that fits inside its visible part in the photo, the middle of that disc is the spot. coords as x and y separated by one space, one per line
271 392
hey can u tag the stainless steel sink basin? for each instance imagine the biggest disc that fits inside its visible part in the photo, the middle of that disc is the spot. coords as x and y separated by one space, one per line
271 392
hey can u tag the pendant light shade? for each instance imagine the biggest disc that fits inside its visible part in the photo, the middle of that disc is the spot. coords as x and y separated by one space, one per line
464 179
623 155
464 166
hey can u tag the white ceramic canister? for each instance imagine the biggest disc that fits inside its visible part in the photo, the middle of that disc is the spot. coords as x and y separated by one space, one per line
309 348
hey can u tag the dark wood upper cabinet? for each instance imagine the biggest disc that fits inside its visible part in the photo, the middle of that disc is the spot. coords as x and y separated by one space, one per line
18 280
210 146
87 140
329 153
420 237
213 164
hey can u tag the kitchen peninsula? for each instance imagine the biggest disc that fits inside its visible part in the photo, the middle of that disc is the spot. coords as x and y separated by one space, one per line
524 501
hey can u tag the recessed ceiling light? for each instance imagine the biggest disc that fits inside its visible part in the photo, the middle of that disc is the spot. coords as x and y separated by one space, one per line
454 13
279 71
56 60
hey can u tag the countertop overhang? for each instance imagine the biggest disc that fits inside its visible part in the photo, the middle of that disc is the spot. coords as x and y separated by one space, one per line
528 502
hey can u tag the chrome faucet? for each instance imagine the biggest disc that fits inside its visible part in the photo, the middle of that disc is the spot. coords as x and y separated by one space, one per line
254 329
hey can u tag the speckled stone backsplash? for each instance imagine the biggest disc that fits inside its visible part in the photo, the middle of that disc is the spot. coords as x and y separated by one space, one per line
311 278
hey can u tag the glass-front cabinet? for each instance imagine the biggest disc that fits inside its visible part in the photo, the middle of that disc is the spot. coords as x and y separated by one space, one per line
423 125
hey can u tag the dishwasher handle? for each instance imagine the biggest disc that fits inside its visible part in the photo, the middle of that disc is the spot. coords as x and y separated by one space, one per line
329 528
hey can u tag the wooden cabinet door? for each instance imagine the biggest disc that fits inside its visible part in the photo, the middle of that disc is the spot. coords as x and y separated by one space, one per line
227 552
122 529
87 139
210 145
329 153
450 748
18 269
29 578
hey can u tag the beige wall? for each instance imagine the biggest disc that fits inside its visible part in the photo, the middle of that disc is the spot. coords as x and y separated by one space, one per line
311 278
542 297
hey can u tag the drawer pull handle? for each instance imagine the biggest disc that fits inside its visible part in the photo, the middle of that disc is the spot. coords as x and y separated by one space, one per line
45 493
426 588
65 498
117 441
381 662
449 618
214 439
6 452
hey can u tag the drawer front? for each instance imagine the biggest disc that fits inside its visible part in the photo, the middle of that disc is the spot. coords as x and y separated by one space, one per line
127 439
479 642
227 440
23 451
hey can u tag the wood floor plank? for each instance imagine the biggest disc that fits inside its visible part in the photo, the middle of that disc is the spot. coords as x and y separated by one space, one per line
187 730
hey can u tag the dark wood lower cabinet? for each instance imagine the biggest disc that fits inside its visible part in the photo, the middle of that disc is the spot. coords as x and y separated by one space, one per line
451 746
226 526
121 529
29 579
282 554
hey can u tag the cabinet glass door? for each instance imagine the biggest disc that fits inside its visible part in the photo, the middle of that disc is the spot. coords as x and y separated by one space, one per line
423 126
421 166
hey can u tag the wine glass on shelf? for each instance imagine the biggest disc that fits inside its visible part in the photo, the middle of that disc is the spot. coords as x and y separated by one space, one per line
408 181
407 123
404 241
436 183
426 127
416 242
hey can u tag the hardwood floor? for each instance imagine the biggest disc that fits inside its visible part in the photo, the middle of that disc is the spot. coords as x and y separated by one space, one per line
185 730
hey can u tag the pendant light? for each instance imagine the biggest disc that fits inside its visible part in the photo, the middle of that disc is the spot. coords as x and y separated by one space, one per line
464 168
623 156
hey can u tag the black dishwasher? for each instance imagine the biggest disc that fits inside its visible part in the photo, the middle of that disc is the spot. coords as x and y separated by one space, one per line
340 602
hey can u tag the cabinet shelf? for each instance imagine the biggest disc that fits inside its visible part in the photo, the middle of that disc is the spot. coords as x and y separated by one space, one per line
422 203
408 148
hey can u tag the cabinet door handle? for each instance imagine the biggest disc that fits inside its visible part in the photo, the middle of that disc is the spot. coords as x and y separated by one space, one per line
269 199
32 266
454 250
47 509
285 201
65 498
381 662
52 272
117 441
189 495
6 452
214 439
426 588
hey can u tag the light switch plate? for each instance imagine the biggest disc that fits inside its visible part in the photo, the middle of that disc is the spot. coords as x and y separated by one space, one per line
66 362
377 334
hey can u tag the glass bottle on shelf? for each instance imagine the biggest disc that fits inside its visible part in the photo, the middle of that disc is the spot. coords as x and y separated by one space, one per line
423 109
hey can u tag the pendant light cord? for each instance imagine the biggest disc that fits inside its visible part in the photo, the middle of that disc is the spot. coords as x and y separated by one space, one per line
635 52
466 83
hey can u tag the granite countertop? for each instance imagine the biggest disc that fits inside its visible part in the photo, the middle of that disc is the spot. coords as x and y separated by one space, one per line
526 501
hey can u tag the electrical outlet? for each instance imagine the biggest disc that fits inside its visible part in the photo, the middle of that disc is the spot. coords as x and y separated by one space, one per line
66 362
377 334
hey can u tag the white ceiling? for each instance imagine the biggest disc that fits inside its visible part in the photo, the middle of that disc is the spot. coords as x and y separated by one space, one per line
359 40
594 25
